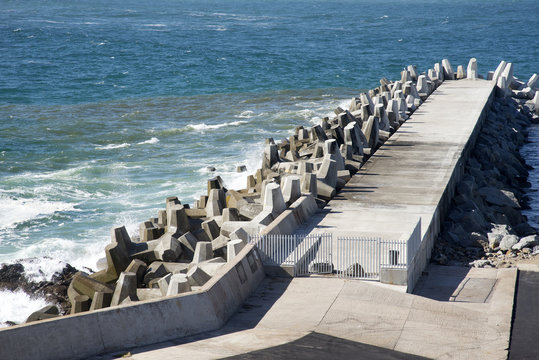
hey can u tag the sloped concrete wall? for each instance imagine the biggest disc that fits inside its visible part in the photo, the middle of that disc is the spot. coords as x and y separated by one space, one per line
142 323
423 255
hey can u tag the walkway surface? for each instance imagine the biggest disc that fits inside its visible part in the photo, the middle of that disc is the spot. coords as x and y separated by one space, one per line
404 180
286 318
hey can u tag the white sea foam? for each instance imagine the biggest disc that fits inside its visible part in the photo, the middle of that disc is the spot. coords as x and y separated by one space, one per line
202 127
112 146
17 306
246 114
153 140
155 25
15 210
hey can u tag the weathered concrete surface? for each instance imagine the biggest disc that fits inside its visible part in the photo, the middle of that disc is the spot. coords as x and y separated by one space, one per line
413 175
142 322
284 310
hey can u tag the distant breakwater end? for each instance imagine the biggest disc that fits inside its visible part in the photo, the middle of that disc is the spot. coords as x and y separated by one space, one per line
185 245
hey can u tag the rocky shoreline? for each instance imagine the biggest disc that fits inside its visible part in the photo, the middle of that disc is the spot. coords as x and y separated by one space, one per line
485 226
181 248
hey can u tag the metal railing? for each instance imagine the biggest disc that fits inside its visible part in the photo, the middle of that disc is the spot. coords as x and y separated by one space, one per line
362 257
306 254
347 257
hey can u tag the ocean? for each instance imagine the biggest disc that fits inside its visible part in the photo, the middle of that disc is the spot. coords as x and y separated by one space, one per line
109 107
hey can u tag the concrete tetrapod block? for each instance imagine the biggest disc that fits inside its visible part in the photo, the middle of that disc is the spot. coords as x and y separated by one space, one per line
507 73
460 73
188 242
318 133
138 267
169 247
197 276
211 228
148 294
100 300
536 102
449 74
231 214
370 130
366 99
203 252
240 234
148 231
117 255
331 147
352 138
218 245
215 204
80 303
163 284
233 249
177 219
229 227
291 189
179 284
304 208
532 83
380 112
471 71
156 270
327 172
273 199
46 312
498 71
423 89
439 71
308 184
85 285
126 288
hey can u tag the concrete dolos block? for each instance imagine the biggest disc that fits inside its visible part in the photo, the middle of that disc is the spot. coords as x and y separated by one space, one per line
273 199
203 252
233 248
197 276
291 189
177 220
471 71
169 247
126 288
178 284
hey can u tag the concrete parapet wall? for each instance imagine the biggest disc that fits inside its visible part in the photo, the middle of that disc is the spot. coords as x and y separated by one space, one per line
141 323
422 257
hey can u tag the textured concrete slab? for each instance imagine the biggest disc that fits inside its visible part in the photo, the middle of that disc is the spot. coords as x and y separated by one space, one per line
406 178
284 311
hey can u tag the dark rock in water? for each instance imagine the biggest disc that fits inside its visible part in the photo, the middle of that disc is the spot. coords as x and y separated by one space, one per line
210 168
13 277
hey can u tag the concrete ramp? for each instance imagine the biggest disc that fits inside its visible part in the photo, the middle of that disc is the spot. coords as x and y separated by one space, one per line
282 311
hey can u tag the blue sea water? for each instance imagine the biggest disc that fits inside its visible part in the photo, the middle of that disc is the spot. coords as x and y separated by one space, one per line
108 107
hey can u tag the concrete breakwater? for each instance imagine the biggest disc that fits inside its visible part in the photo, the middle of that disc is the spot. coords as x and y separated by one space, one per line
186 248
485 226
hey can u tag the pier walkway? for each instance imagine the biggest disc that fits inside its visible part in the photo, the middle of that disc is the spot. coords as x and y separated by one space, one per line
453 313
413 175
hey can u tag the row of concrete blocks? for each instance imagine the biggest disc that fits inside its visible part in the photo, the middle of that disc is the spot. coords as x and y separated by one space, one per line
510 86
202 237
140 281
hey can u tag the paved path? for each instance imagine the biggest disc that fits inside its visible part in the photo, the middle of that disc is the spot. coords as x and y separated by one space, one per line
405 179
283 313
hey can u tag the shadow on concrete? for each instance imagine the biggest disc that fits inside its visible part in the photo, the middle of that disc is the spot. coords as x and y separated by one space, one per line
524 330
440 282
247 317
321 346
